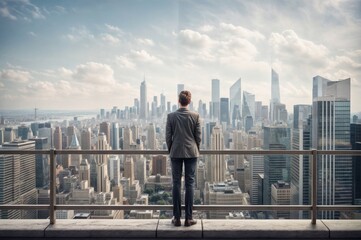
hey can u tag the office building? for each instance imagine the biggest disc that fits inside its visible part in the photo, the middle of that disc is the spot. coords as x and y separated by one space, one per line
86 142
42 166
257 168
18 180
300 164
143 113
224 111
84 171
276 167
222 193
180 87
105 128
215 99
151 137
248 108
331 131
115 136
275 94
235 99
217 165
356 165
280 195
159 165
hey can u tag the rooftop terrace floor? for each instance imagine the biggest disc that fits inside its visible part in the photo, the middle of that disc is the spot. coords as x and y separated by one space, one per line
163 229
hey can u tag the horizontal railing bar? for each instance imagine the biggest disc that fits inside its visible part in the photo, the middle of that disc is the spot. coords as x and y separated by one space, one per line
170 207
195 207
25 207
202 152
339 207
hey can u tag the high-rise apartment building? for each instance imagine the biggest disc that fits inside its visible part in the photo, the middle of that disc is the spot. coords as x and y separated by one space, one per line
143 113
235 99
276 167
215 98
18 180
331 131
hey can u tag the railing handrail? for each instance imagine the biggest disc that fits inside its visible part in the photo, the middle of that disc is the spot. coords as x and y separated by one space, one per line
52 206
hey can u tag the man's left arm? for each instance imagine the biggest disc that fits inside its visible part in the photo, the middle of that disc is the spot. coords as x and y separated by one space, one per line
197 134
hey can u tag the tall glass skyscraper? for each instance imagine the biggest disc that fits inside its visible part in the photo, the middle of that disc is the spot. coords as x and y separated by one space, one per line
275 93
235 98
248 108
143 101
276 167
224 111
215 98
331 131
300 164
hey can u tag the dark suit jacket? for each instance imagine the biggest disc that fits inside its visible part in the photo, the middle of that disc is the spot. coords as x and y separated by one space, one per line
183 134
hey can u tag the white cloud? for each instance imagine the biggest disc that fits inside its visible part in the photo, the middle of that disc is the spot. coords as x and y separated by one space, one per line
124 62
194 39
94 73
15 75
144 56
288 46
239 31
206 28
145 41
33 34
108 38
113 28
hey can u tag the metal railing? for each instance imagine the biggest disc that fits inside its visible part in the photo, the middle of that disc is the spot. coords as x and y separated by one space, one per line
314 208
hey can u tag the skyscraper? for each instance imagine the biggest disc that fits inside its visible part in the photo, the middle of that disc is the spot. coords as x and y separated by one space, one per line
217 165
275 93
224 108
235 97
84 171
58 138
159 165
74 159
215 98
105 128
300 165
17 181
180 87
276 167
331 131
42 163
248 108
151 138
115 136
143 101
23 132
85 142
102 144
356 145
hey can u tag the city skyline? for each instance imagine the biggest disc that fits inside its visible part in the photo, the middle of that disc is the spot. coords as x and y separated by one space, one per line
70 55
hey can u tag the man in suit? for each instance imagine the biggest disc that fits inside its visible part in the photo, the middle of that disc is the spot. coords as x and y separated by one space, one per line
183 137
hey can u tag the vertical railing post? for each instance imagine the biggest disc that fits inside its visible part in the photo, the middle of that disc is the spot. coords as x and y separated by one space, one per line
314 186
52 186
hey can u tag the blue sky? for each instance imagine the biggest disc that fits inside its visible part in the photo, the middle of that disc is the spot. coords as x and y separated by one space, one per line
94 54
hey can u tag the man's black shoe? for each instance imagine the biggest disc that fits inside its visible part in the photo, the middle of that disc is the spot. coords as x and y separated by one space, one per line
176 222
189 222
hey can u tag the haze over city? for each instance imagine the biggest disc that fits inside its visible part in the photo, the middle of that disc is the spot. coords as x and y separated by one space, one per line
72 55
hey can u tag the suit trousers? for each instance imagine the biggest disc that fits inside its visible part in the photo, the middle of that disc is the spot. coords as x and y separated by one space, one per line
190 165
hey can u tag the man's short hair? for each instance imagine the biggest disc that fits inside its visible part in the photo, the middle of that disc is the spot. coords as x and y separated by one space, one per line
185 97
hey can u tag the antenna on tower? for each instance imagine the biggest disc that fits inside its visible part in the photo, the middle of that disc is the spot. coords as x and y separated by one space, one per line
35 110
